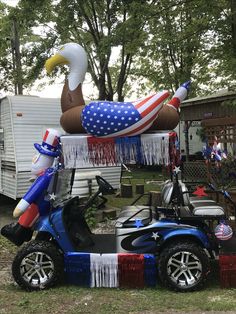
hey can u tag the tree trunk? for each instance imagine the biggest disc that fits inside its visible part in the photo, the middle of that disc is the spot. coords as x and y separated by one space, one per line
102 87
16 41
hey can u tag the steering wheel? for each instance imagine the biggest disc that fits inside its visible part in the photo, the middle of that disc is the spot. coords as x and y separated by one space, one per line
104 186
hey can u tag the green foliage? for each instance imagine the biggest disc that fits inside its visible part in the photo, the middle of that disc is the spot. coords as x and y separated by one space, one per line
229 103
90 216
156 44
201 133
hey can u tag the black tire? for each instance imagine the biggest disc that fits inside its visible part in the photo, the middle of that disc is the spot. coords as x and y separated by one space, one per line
38 265
174 266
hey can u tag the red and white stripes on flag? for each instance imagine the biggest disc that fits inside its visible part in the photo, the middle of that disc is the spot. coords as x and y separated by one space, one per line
148 109
223 232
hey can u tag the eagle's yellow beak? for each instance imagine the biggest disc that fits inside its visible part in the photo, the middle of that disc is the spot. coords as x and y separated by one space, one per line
55 60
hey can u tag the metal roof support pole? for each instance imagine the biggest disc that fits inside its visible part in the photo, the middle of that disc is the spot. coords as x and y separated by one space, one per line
187 125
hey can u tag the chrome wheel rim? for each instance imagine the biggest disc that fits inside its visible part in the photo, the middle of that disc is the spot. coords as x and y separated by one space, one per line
37 268
184 268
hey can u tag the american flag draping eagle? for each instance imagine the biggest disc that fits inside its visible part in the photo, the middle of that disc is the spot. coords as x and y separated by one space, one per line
106 118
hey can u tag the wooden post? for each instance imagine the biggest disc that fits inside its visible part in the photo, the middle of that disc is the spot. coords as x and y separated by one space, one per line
155 198
139 189
126 190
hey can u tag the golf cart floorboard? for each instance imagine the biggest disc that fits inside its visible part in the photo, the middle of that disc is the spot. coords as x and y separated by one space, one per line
103 243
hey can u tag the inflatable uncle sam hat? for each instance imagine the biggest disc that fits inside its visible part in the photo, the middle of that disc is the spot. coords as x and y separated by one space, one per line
50 143
46 153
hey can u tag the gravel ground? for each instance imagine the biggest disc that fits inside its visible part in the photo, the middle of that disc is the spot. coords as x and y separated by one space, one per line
105 227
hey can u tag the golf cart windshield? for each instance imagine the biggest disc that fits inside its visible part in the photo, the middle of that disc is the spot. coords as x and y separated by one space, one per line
61 185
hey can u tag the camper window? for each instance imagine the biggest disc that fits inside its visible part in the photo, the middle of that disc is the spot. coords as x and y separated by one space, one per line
1 139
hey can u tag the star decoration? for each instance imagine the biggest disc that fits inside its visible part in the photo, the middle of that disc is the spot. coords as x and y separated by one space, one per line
138 223
200 191
176 170
155 235
52 197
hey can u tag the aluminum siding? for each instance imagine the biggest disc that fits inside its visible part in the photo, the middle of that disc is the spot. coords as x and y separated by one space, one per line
8 158
6 123
9 183
23 183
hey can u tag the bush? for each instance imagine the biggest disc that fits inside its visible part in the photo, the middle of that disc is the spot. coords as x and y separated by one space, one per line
90 216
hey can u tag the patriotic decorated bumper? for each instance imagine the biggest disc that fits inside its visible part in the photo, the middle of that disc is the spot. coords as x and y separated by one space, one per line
111 270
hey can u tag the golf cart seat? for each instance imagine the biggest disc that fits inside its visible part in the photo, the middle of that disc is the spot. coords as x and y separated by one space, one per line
167 195
194 200
135 216
197 199
195 206
207 209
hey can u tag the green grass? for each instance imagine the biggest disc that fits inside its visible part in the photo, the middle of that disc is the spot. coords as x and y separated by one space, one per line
146 176
71 299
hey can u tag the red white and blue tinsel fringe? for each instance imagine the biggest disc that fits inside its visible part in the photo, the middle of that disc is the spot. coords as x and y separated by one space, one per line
111 270
149 149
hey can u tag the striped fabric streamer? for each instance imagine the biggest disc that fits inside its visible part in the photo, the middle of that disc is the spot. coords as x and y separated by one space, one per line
101 151
103 270
77 268
149 149
155 149
111 270
128 149
131 270
150 270
75 151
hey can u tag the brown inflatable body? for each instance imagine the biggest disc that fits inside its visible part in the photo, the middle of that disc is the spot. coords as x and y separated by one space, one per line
167 119
72 104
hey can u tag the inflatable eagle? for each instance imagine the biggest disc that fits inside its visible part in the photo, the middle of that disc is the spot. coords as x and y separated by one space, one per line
107 118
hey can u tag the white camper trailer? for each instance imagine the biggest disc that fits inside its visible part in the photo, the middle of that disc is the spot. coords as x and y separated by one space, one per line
23 121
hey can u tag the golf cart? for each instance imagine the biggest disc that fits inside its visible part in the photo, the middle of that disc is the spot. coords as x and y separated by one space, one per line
174 240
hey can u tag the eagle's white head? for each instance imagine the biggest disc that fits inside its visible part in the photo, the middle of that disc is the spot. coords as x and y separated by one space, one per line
75 56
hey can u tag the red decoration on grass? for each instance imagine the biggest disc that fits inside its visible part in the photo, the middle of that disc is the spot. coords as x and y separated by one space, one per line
227 262
200 191
131 270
